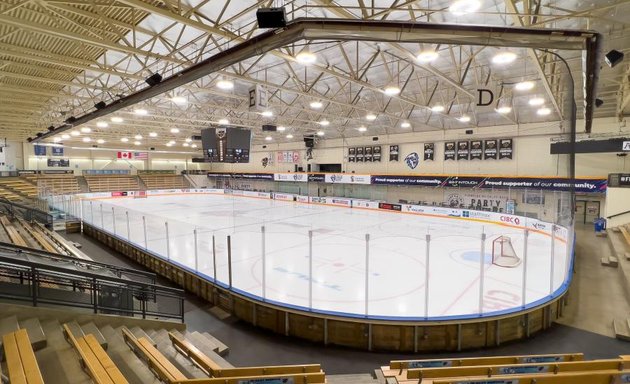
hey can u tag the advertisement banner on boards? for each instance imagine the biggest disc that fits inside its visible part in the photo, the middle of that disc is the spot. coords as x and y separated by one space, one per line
297 177
343 178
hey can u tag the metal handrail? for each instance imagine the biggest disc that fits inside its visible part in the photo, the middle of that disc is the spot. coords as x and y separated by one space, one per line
618 214
41 253
34 274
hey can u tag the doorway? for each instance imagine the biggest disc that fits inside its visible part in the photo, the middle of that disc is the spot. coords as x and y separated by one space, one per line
587 210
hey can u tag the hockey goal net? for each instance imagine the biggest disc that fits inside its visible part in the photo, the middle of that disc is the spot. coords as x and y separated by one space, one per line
503 253
140 195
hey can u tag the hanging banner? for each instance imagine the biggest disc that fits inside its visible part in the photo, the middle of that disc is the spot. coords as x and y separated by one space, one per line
505 149
352 153
429 151
359 154
449 150
476 150
490 150
376 153
40 150
288 157
462 150
393 152
368 154
57 151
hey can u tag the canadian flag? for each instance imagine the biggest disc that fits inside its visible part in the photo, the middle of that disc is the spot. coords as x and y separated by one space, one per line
124 155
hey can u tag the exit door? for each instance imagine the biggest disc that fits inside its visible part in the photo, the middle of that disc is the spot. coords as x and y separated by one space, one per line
580 211
586 211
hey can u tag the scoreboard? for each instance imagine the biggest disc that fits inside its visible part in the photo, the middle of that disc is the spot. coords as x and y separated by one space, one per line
226 144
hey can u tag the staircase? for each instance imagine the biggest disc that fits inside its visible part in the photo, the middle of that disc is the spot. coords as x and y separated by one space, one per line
60 364
83 185
620 248
141 183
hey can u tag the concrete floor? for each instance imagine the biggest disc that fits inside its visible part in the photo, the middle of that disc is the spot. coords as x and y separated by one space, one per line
596 297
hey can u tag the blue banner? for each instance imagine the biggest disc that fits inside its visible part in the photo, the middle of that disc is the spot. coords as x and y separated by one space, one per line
40 150
57 151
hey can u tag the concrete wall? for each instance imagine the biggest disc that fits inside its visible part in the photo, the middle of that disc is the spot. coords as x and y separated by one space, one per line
617 201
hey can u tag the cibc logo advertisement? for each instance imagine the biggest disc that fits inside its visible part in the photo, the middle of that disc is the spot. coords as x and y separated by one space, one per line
511 220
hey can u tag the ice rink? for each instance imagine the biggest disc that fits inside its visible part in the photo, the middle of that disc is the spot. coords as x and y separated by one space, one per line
181 228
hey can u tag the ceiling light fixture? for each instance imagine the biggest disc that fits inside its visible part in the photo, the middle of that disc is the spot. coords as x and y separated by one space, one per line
100 141
75 133
225 85
124 139
179 100
464 118
185 144
503 110
306 58
224 121
268 138
405 124
141 112
463 7
136 143
320 133
392 90
86 130
138 137
324 123
102 124
362 129
289 136
281 129
56 140
427 56
86 139
65 137
316 104
504 57
370 117
188 140
437 108
152 134
193 146
174 130
117 119
543 111
536 101
524 86
267 113
169 144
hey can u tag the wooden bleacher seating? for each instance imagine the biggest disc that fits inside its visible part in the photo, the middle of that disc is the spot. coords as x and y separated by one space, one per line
21 362
13 233
164 181
625 231
57 184
44 242
159 364
94 359
214 370
495 360
106 183
303 378
19 186
599 377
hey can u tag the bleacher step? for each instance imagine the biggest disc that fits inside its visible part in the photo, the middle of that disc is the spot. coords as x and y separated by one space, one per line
182 363
58 362
615 229
134 369
8 324
621 329
201 342
35 332
91 328
75 329
362 378
224 350
613 261
139 332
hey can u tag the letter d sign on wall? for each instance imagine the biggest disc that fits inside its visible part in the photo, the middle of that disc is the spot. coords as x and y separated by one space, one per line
485 97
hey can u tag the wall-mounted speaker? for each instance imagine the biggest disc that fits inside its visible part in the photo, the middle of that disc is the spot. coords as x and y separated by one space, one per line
100 105
271 17
269 128
309 142
154 79
469 132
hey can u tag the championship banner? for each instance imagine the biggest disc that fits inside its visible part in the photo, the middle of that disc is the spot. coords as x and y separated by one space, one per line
429 151
449 150
462 150
57 151
476 150
40 150
368 154
352 152
288 157
505 149
393 152
359 154
490 149
376 153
